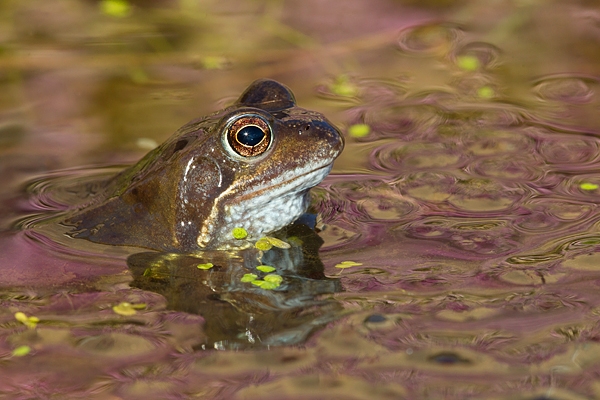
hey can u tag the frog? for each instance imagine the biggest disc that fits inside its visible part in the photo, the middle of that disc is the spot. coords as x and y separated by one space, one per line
250 165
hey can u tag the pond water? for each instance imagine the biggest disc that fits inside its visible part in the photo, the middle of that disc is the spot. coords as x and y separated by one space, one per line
458 233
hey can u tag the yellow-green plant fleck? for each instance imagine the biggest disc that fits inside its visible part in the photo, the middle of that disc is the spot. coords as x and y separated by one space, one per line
485 92
342 86
277 242
214 62
115 8
205 266
239 233
249 278
30 322
263 244
273 278
128 309
295 241
265 268
468 63
359 130
588 186
21 351
265 284
348 264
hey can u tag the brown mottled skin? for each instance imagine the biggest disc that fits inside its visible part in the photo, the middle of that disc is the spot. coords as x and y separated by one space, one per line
185 195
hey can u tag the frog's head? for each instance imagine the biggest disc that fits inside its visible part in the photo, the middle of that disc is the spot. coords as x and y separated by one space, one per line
271 153
250 165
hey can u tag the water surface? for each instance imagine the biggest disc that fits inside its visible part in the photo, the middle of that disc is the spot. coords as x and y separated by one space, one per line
466 198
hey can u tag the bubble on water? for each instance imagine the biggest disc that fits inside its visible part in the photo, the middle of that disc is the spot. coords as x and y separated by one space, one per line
485 195
564 88
569 211
564 150
536 221
433 187
414 156
485 236
508 167
405 120
117 345
488 142
428 38
372 200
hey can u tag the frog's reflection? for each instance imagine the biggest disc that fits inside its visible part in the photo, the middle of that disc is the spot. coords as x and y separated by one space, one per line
239 314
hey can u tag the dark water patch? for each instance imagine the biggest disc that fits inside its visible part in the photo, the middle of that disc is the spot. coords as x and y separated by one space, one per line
481 237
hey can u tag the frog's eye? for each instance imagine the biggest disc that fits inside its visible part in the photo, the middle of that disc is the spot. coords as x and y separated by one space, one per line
249 136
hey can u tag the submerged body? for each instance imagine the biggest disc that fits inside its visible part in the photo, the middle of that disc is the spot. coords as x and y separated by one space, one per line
250 166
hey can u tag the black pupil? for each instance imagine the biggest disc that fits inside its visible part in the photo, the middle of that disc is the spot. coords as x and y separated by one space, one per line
250 135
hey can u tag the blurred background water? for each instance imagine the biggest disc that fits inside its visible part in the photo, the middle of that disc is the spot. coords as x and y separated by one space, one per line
466 199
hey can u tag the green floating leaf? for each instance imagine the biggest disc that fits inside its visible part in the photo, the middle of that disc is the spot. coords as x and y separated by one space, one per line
249 278
214 62
359 130
265 284
127 309
588 186
347 264
21 351
273 278
468 63
265 268
485 92
277 242
30 322
115 8
263 244
239 233
205 266
344 87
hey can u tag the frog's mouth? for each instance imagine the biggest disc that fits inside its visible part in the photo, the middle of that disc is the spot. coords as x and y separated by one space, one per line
290 183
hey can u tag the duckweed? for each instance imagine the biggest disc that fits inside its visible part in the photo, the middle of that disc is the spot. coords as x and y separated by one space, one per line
205 266
263 244
239 233
249 278
21 351
342 86
30 322
277 242
265 268
273 278
115 8
265 284
485 92
348 264
359 130
128 309
468 63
